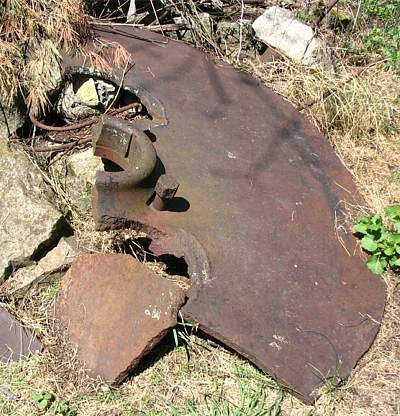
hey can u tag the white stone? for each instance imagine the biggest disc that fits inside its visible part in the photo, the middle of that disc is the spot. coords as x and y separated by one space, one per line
278 28
59 257
131 11
28 222
48 268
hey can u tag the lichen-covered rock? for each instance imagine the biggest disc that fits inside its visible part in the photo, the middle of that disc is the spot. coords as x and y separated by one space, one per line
28 222
278 28
78 173
12 117
204 22
70 106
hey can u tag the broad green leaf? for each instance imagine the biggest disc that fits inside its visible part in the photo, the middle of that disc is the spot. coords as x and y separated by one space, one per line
393 212
376 264
376 219
389 251
393 238
37 397
360 228
367 243
394 262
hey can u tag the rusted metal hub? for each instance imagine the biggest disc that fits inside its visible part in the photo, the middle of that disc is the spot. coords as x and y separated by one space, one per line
260 194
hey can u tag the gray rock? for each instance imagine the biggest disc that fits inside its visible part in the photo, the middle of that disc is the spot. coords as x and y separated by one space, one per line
106 92
85 96
77 174
70 106
229 35
45 271
130 17
28 222
12 117
278 28
80 177
62 255
84 165
146 9
204 22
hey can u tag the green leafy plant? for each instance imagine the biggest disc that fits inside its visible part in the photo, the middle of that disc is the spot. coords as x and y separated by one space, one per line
43 400
381 242
62 407
384 34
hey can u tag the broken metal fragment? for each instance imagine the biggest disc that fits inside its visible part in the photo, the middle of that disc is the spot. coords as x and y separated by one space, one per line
259 217
16 342
115 310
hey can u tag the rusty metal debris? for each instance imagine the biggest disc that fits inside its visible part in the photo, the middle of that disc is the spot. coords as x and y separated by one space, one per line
116 310
16 341
261 194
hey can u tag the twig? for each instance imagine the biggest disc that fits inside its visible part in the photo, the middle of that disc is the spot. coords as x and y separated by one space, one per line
240 31
56 148
61 155
167 27
84 123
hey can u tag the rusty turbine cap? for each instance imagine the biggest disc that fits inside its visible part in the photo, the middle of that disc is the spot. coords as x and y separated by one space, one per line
270 275
166 188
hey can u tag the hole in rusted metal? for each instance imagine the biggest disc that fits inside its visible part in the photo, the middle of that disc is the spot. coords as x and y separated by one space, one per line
140 249
176 266
110 166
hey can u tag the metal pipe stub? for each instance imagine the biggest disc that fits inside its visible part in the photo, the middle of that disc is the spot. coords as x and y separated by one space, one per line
120 142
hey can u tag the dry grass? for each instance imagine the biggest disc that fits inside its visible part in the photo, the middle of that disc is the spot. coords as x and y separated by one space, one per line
31 35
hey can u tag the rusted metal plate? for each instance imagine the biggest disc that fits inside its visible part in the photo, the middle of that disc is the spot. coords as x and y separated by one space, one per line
16 342
115 310
255 215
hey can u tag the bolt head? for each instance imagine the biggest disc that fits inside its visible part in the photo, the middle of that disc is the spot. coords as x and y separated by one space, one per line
166 186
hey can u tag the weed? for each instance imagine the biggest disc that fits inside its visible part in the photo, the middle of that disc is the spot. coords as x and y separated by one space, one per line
384 36
62 407
43 400
379 241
